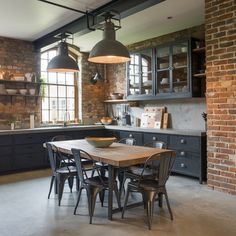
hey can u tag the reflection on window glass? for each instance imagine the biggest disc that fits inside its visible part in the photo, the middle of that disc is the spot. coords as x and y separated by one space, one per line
59 92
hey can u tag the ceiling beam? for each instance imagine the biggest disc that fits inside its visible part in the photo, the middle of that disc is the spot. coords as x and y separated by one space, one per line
124 7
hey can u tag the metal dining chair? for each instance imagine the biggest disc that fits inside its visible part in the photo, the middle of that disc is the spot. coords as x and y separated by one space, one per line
134 172
94 184
160 166
60 172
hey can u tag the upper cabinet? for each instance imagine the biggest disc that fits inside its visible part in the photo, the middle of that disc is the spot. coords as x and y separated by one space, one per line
140 73
164 72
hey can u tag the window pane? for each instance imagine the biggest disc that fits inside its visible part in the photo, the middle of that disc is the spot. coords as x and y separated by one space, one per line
44 64
61 91
70 78
51 54
45 117
52 78
52 90
71 92
61 78
46 90
62 103
72 115
70 104
44 55
53 103
61 114
45 103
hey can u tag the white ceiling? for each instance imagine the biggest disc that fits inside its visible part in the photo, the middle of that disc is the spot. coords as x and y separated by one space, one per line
32 19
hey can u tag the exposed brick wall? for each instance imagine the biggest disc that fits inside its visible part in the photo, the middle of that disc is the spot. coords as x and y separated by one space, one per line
220 16
91 96
18 57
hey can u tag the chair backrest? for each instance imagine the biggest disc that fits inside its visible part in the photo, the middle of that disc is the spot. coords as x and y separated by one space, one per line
128 141
61 138
56 158
78 155
52 156
160 165
156 144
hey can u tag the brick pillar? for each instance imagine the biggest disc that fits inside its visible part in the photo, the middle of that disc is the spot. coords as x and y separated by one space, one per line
220 23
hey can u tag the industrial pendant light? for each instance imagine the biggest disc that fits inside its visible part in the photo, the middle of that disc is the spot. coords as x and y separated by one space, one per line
109 50
62 62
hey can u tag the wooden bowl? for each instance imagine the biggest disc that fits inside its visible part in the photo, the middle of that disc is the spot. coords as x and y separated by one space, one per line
106 120
98 142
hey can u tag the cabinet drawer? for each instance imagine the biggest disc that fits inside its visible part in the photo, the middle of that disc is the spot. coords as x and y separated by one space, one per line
6 150
29 148
137 136
148 138
27 161
188 164
180 142
6 140
5 163
30 138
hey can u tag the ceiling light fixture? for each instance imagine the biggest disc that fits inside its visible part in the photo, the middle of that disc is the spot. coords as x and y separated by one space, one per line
109 50
62 62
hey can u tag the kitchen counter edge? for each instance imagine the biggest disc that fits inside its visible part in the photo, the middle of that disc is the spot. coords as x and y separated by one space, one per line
163 131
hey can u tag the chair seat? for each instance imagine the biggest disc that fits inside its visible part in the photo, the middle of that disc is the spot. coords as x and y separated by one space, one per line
96 181
136 170
66 169
146 184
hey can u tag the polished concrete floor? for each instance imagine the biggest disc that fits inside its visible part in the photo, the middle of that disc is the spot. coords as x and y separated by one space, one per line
25 211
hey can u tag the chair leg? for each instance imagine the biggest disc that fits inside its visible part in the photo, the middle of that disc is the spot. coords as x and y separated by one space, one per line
117 193
160 199
168 205
78 199
61 183
122 179
70 182
101 196
92 195
125 203
149 197
51 185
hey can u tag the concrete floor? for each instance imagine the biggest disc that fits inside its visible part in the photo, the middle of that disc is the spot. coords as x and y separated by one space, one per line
25 211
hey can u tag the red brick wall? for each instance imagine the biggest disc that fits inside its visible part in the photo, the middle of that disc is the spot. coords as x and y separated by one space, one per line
18 57
220 23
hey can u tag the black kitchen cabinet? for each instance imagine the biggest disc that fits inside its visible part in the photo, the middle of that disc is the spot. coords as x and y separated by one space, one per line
25 151
190 155
138 136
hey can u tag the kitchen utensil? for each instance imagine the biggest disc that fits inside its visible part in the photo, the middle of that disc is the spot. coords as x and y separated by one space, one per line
32 91
11 91
23 91
106 120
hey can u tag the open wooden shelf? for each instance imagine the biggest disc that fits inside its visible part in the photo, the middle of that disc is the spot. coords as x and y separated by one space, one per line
202 49
200 75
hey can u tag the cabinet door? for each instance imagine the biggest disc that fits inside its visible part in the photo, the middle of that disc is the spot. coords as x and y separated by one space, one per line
148 138
172 69
137 136
140 77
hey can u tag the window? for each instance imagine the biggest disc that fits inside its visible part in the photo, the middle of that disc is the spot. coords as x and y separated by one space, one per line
60 92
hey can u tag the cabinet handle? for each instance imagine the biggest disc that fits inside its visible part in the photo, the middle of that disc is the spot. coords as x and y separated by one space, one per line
182 153
130 136
182 165
182 141
154 138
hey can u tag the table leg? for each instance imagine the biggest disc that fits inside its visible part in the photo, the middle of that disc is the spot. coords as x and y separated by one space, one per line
111 177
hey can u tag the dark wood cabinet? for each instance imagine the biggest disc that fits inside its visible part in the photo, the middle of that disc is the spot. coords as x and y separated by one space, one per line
149 137
138 136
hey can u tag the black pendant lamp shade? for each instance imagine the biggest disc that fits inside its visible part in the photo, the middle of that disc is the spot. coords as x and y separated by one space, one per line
109 50
62 62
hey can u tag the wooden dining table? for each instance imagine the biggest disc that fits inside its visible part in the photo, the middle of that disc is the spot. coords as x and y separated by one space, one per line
117 155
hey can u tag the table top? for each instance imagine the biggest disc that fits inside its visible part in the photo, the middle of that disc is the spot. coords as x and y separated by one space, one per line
119 155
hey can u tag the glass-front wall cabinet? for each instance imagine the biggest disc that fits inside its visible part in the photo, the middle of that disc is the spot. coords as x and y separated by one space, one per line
140 73
172 69
163 71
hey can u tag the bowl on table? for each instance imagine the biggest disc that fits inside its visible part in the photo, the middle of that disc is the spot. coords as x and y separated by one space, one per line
99 142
